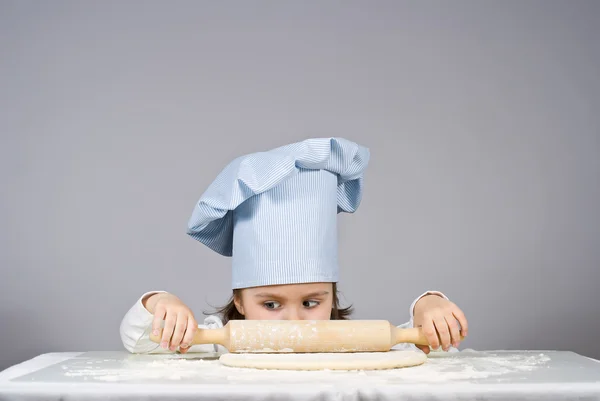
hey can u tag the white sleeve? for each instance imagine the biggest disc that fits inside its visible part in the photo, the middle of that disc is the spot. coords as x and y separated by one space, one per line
137 324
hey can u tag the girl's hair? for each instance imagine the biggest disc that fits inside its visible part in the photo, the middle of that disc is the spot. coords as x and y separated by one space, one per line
230 312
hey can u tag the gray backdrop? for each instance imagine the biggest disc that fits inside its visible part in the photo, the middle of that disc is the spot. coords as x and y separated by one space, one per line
482 120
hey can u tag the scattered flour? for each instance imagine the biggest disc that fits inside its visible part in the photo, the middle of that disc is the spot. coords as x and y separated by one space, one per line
465 366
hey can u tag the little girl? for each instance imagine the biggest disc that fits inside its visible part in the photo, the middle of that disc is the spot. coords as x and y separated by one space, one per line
275 214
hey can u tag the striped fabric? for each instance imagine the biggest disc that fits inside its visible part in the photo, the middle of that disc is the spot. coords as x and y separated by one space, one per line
275 212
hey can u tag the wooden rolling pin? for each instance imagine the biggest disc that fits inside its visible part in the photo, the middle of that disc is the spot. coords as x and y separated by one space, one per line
273 336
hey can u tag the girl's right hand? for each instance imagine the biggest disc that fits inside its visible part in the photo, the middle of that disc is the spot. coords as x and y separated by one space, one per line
180 324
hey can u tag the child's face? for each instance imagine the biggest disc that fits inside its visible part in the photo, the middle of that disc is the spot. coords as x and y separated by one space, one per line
311 301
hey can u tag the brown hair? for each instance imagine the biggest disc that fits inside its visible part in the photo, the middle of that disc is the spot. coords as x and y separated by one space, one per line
230 312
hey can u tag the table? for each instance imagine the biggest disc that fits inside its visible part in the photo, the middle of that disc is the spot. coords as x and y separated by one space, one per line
465 375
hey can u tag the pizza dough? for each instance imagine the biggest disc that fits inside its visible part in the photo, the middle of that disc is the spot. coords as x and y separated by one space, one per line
326 361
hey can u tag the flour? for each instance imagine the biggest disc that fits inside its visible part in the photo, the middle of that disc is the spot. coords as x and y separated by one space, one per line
462 367
171 369
267 350
471 365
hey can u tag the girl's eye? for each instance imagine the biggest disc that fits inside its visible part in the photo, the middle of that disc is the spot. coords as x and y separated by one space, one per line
272 305
310 304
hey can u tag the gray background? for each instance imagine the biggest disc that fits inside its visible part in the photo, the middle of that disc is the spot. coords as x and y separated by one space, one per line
482 120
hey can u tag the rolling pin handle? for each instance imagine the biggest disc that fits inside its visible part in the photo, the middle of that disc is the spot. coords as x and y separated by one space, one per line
413 335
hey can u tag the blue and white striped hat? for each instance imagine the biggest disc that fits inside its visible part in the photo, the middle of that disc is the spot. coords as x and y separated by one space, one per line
275 212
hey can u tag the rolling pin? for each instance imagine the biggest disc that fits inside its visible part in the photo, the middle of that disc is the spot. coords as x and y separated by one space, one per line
300 336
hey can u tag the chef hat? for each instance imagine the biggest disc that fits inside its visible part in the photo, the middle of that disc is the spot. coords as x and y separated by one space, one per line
275 212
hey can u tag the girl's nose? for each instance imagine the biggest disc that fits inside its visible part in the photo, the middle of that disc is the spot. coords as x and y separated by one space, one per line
292 314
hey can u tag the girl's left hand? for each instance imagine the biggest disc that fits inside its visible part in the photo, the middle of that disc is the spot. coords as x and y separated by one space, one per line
440 321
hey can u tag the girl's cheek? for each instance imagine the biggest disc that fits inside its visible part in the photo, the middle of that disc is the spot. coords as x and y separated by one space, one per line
319 313
270 315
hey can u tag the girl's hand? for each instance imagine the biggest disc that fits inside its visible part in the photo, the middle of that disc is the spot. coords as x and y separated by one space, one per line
180 324
440 321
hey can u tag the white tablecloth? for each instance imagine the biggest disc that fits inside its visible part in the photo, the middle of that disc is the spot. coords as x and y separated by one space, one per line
464 375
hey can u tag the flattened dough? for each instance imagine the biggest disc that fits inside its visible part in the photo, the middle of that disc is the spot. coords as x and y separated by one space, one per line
333 361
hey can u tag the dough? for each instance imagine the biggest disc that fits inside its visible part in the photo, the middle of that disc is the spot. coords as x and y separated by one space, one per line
333 361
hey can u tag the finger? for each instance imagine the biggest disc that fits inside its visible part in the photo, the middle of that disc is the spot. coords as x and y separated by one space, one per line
454 331
192 326
443 332
431 334
159 316
179 331
462 320
168 330
424 348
